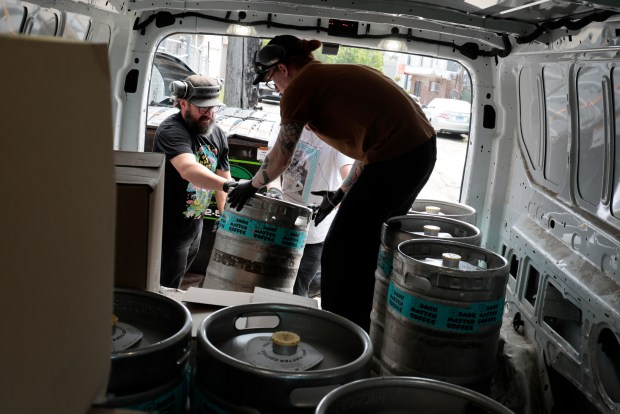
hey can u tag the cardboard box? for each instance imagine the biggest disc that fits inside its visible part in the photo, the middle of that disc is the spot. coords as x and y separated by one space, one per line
57 225
139 217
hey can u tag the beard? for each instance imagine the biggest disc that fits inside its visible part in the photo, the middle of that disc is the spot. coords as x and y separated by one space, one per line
196 126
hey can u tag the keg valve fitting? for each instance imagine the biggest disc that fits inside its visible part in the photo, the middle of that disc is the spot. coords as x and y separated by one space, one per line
450 260
285 342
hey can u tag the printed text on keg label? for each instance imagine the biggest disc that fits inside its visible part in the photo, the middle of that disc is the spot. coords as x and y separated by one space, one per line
261 231
469 318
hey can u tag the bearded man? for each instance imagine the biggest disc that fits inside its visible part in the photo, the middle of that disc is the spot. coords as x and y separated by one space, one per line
196 151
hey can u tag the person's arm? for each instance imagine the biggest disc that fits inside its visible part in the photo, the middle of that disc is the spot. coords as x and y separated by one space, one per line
352 176
331 199
280 156
196 173
272 167
220 196
345 170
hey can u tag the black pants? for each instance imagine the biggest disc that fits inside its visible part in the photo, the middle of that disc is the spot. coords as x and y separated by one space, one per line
308 267
179 249
349 259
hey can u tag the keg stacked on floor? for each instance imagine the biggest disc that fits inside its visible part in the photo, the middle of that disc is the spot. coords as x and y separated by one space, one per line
275 358
259 246
151 336
395 231
456 211
411 395
444 313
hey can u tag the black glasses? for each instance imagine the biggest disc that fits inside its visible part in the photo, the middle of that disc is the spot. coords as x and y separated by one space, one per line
206 109
270 83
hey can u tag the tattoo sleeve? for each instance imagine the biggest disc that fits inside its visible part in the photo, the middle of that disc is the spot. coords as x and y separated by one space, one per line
354 174
280 155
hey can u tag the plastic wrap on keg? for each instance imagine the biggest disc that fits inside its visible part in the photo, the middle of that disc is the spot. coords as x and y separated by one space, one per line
259 352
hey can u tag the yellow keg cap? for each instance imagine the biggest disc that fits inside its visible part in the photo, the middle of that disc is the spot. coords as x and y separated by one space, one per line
285 338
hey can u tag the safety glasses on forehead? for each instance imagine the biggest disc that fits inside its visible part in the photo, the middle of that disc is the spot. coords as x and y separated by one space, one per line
268 57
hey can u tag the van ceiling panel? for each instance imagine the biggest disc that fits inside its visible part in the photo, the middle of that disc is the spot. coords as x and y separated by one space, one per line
499 16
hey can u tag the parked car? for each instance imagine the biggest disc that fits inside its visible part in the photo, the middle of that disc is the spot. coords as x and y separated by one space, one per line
448 115
267 94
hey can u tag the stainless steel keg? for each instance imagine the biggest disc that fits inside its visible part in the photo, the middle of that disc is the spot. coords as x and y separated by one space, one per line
457 211
444 312
152 372
259 246
395 231
242 368
407 395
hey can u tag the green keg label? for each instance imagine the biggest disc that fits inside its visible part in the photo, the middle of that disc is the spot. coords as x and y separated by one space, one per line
261 231
385 262
444 317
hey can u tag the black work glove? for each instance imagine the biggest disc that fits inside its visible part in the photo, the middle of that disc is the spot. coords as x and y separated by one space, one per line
240 194
330 200
275 193
228 185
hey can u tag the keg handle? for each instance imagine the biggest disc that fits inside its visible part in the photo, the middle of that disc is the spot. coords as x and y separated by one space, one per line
418 281
184 357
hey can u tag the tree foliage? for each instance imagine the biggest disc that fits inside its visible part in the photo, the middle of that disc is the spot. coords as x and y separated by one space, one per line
372 58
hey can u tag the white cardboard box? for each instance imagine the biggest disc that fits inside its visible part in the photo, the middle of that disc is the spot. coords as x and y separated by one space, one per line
57 220
139 215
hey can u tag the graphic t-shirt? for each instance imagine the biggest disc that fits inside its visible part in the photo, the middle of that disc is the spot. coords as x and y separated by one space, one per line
183 200
315 166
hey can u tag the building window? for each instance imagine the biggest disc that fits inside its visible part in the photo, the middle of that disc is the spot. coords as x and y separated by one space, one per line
435 86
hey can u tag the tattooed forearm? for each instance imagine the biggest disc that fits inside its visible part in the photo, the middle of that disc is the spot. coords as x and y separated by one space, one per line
288 137
354 174
280 156
263 171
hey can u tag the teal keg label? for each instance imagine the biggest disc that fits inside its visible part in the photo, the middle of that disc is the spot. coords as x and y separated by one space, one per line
443 317
261 231
202 404
173 401
385 262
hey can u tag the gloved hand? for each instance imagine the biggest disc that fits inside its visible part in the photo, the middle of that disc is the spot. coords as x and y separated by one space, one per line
240 194
228 185
275 193
330 200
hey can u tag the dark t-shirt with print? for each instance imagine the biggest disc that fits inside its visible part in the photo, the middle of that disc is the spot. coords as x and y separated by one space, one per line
185 203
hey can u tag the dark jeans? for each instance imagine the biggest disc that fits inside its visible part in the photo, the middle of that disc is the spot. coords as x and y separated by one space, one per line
308 268
349 259
177 254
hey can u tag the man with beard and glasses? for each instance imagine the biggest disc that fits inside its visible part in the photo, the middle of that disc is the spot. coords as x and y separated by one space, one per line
196 151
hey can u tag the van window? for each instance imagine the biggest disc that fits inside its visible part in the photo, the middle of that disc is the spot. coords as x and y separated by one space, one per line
12 18
423 78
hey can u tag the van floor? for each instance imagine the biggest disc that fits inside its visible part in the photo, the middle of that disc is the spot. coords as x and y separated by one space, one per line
191 280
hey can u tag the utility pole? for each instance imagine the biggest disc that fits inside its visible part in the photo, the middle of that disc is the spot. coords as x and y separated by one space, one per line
240 59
